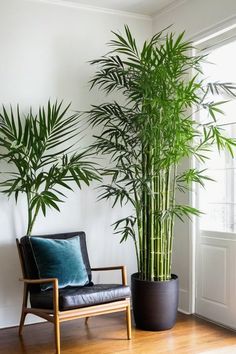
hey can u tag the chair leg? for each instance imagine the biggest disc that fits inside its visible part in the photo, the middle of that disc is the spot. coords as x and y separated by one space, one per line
57 334
128 322
24 305
86 320
22 321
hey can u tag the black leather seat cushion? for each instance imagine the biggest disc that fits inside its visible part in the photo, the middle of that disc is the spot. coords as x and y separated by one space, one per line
76 297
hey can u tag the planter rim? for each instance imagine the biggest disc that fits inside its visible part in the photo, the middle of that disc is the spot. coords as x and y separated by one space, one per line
174 277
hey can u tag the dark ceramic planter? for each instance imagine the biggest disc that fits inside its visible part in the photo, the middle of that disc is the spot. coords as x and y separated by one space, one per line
155 303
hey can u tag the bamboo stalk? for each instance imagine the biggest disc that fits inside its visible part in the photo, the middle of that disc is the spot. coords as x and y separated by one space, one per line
152 217
29 227
167 223
144 217
138 247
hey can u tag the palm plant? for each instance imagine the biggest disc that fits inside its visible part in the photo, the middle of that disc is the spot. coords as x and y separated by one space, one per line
150 133
39 148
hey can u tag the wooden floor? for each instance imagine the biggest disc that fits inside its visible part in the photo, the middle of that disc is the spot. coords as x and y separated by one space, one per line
107 334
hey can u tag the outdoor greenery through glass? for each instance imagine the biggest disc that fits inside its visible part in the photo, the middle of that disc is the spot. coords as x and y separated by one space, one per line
150 133
42 151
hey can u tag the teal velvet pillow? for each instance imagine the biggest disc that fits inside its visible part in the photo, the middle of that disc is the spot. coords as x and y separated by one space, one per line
61 259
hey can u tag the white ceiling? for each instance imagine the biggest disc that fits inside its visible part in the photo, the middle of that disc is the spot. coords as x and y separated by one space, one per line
145 7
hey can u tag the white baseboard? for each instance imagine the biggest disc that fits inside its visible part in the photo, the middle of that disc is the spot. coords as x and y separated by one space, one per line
184 302
184 312
10 317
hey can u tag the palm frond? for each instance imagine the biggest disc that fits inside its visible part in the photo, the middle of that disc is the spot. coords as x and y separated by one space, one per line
39 146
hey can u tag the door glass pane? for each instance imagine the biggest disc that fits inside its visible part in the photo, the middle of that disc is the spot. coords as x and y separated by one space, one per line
218 199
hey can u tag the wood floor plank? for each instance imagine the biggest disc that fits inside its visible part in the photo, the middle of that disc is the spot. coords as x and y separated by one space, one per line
107 335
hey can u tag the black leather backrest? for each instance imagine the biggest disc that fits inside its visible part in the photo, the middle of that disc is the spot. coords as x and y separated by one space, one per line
28 256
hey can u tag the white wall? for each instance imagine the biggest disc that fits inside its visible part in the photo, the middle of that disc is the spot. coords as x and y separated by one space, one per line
197 18
45 50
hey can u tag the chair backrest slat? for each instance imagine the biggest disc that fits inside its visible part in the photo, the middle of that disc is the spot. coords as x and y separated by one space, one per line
20 253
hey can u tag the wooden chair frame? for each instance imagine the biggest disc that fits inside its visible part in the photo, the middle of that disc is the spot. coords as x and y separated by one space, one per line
56 316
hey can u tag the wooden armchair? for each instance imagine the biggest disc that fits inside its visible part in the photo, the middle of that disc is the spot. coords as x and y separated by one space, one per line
59 305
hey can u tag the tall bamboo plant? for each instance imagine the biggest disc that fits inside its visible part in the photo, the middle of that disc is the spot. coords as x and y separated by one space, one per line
41 152
150 133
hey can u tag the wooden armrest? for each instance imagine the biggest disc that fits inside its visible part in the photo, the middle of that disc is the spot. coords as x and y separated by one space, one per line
122 268
40 281
54 282
108 268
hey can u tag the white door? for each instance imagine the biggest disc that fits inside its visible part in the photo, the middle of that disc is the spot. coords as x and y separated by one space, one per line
216 229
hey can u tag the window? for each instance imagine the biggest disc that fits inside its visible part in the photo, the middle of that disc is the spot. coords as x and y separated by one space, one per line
218 199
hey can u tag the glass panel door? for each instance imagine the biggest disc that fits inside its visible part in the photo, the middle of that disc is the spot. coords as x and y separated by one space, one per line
216 234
